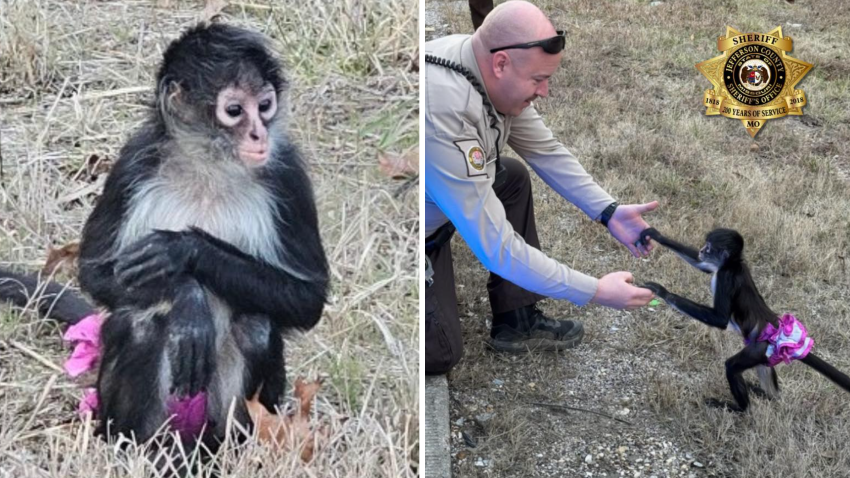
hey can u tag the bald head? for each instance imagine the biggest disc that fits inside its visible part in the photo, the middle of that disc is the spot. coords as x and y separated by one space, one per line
515 77
514 22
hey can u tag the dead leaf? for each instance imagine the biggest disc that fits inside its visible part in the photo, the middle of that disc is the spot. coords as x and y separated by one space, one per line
306 392
63 259
399 166
97 165
285 432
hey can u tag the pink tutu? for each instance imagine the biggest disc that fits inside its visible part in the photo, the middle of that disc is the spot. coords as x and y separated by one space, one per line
789 341
188 414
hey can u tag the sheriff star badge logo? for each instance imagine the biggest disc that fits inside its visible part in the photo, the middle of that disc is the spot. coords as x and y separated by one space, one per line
754 78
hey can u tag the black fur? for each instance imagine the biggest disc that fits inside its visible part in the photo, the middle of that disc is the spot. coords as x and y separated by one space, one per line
137 336
736 299
827 370
51 299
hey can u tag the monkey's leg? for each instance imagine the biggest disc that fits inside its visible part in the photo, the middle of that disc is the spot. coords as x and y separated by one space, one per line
749 357
149 354
132 384
250 360
261 343
769 382
272 372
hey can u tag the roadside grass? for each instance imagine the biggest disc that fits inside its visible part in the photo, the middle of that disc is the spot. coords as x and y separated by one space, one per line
76 78
627 103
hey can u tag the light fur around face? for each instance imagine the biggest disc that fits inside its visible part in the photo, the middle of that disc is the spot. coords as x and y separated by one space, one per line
229 204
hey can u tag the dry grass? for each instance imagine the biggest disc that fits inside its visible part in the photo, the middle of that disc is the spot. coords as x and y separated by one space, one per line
75 79
627 102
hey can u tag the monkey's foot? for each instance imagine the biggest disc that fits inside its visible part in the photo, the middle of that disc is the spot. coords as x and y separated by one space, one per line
758 391
723 404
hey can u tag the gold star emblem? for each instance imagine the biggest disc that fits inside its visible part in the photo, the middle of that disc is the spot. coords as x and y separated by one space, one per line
754 78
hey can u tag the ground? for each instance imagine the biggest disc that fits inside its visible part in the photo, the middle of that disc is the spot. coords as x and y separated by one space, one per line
627 103
76 78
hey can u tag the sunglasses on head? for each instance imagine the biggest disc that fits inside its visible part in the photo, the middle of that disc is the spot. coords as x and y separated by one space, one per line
552 45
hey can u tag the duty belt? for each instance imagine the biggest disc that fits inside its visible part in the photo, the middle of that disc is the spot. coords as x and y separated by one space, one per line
439 238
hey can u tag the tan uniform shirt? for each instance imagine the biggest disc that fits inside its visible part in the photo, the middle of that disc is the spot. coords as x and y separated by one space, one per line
460 153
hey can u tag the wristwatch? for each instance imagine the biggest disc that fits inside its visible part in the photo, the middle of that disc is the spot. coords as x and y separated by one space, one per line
607 213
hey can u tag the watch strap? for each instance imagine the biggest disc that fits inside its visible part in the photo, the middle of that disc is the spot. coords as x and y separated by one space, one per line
607 213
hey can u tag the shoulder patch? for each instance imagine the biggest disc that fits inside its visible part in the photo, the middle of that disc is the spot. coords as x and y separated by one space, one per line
474 156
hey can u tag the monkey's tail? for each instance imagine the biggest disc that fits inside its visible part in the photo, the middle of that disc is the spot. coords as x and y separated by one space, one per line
51 299
827 370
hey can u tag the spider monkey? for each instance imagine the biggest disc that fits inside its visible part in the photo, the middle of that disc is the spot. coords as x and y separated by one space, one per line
737 302
204 247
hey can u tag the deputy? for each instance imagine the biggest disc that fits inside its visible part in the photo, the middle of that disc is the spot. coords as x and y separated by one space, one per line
479 91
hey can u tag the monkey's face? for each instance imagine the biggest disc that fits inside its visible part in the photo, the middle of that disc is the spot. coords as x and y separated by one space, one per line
705 252
246 114
720 245
713 254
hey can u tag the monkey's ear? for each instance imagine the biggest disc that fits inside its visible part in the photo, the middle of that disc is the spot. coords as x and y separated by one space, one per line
174 101
173 96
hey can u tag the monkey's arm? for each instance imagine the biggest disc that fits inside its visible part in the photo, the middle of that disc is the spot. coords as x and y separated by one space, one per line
687 253
253 286
717 316
294 295
96 271
98 247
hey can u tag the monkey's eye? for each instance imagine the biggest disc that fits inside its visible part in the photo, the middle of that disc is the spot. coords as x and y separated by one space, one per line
265 105
233 111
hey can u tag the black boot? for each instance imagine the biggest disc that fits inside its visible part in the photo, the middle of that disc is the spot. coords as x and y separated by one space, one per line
527 329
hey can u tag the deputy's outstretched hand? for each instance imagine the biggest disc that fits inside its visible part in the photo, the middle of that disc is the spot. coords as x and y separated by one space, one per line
617 290
626 225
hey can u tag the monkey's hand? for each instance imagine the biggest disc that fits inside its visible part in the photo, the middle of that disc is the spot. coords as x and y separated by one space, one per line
651 233
627 222
656 289
190 350
155 260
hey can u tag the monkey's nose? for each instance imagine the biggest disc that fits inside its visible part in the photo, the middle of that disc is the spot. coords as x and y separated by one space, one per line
258 134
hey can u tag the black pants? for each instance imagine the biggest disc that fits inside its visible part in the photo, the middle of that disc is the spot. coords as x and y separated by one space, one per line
479 9
443 337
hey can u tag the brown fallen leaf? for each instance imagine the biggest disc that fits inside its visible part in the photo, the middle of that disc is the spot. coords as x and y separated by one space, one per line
306 392
399 166
97 165
61 260
287 431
